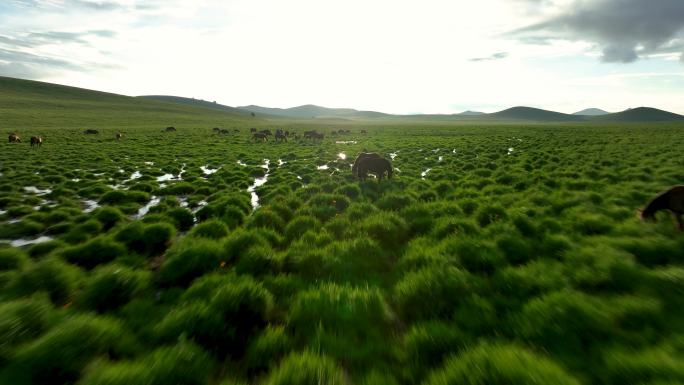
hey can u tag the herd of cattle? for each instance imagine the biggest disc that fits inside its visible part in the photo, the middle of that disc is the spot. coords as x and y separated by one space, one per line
257 136
671 200
35 140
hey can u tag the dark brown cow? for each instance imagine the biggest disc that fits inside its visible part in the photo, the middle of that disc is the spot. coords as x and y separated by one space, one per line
260 136
14 138
36 141
671 200
374 166
363 156
170 129
280 137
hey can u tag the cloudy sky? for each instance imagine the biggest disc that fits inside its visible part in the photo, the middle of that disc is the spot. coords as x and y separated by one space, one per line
399 56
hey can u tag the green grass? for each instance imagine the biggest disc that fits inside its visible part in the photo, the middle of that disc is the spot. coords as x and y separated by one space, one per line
529 262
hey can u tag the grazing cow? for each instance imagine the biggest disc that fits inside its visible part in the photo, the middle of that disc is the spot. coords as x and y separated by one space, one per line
225 131
216 130
317 136
252 130
363 131
260 136
374 166
309 134
672 200
36 141
14 138
361 157
90 131
170 129
280 137
266 132
119 135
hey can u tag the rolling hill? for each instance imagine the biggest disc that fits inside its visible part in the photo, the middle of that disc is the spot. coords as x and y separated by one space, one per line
641 114
195 103
309 111
25 103
591 112
532 114
30 104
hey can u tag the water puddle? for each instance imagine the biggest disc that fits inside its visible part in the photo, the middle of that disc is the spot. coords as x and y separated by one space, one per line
441 158
346 142
436 150
3 212
90 205
280 162
258 182
26 242
342 156
145 209
510 150
135 175
37 191
453 151
323 167
206 170
424 173
165 177
149 163
241 163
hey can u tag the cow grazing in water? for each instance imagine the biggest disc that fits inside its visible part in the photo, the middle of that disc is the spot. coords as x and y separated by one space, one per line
260 136
36 141
170 129
361 157
374 166
672 200
90 131
14 138
118 135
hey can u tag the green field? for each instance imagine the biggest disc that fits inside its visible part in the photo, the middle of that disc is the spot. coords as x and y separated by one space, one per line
498 253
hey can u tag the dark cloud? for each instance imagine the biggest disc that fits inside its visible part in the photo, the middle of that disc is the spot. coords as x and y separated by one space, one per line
496 56
623 30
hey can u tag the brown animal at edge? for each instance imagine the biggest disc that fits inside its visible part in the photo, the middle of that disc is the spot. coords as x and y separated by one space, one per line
363 156
14 138
671 199
36 141
374 166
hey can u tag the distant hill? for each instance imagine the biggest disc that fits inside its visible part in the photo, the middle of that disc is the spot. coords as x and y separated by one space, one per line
309 111
471 113
533 114
194 102
31 105
641 114
592 112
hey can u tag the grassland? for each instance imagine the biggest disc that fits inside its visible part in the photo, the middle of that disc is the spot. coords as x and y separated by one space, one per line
497 254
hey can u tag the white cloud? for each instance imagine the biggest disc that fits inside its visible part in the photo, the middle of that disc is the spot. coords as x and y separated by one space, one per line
395 56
